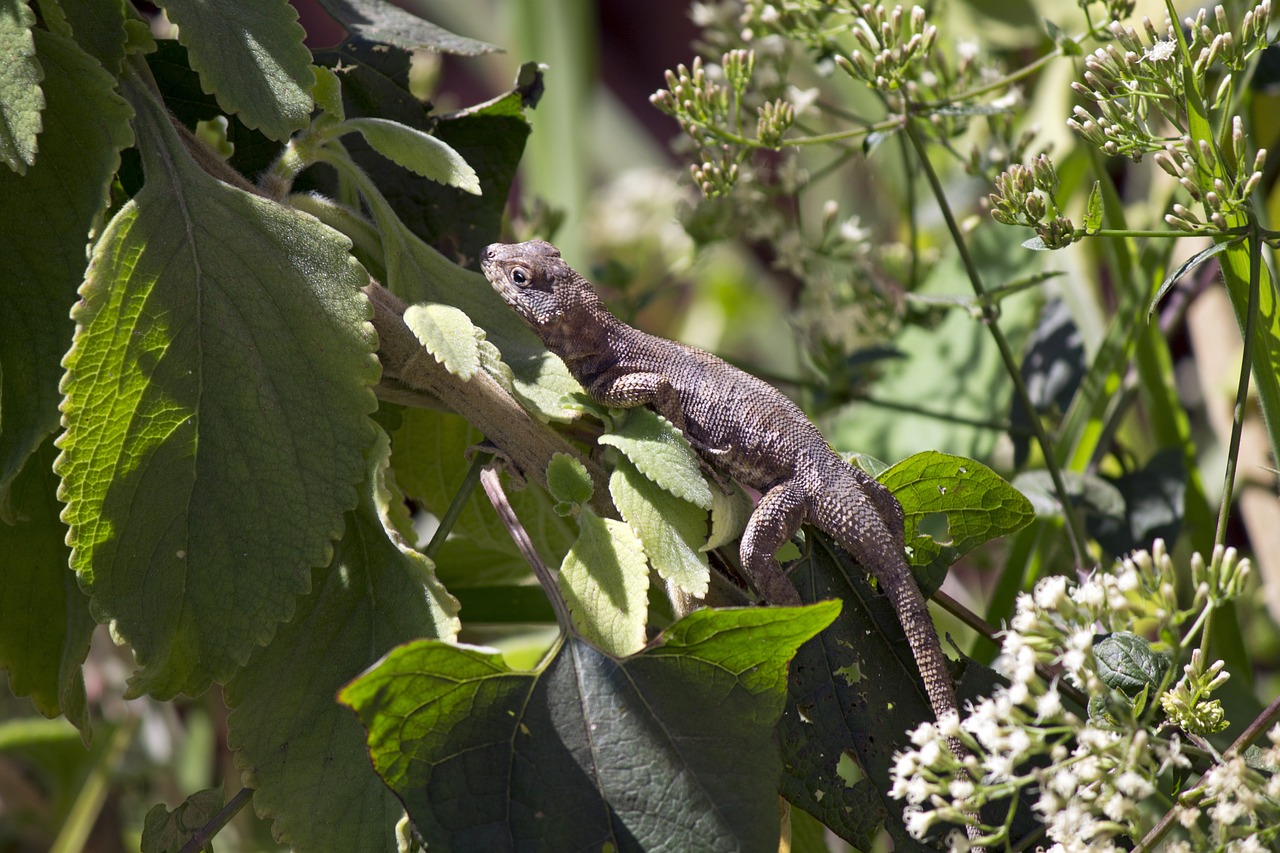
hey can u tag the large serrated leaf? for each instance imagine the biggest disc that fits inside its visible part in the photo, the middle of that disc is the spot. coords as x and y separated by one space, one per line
98 26
21 98
447 334
309 767
672 749
45 624
216 409
251 57
605 581
979 505
45 219
660 452
672 530
380 21
420 153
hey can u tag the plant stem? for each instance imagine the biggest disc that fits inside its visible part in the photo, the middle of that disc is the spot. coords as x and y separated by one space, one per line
205 834
1075 533
458 503
1242 388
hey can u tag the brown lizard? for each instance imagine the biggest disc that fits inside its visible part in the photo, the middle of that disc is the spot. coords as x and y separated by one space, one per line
741 427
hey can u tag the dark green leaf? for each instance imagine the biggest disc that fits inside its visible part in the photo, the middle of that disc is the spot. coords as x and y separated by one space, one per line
253 150
167 831
251 57
1127 663
45 220
98 26
1053 365
421 153
855 690
1187 266
309 765
217 401
380 21
1068 45
670 749
1154 505
45 624
1089 492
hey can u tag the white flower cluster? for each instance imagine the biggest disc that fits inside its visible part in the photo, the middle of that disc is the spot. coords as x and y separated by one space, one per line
1099 781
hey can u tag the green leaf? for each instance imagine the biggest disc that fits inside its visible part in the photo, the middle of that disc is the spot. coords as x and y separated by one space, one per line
328 92
854 691
430 465
447 333
167 831
380 21
216 408
662 454
1186 267
730 513
1093 209
1036 244
418 152
490 136
98 26
45 624
1154 505
21 98
45 220
672 749
1127 663
180 84
418 273
251 57
309 767
672 530
1096 496
605 581
978 505
568 480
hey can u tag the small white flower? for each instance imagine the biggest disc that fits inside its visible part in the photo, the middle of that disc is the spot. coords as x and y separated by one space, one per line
1160 51
803 99
967 49
853 232
1050 592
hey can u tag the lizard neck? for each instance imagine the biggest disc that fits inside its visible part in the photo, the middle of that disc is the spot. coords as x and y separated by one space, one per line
584 330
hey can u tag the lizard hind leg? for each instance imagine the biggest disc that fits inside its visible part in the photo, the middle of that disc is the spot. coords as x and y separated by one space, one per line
776 518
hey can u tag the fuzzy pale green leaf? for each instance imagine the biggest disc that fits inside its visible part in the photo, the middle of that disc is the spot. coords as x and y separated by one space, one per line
729 515
309 767
568 480
216 406
251 57
45 220
605 581
420 153
672 749
661 453
418 273
446 333
673 530
21 98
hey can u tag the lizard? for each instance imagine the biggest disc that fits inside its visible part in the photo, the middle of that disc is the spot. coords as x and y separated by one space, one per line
739 426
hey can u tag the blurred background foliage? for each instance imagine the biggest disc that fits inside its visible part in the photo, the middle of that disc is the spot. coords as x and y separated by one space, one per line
833 276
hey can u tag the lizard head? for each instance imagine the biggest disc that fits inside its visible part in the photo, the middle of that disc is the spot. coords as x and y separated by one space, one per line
532 278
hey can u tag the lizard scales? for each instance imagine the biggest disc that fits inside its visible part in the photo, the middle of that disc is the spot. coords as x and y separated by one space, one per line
740 426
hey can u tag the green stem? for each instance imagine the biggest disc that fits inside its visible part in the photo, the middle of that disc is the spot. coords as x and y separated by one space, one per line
201 838
1074 531
994 85
1242 387
458 504
74 834
1165 234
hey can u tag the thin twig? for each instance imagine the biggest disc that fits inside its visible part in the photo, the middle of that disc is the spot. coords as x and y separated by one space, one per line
205 834
498 497
458 503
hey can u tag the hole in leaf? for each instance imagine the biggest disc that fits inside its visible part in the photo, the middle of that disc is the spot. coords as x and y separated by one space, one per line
935 525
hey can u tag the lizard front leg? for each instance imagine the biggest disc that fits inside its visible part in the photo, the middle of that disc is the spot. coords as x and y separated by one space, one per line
776 518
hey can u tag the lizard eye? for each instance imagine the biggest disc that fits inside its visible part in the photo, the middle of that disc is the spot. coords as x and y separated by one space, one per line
519 276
